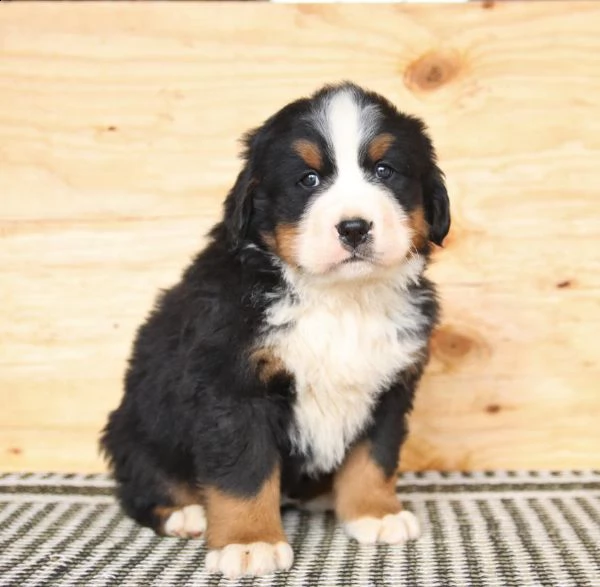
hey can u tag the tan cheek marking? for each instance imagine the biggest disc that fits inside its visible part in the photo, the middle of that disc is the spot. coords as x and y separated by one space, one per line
362 489
236 520
286 243
380 145
283 242
310 153
419 228
267 364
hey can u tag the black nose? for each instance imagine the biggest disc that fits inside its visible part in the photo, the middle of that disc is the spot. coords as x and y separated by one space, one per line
353 232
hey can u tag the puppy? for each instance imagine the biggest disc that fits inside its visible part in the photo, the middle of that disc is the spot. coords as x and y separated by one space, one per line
283 364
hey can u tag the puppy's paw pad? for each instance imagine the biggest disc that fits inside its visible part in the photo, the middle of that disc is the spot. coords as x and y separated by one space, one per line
254 559
391 529
188 522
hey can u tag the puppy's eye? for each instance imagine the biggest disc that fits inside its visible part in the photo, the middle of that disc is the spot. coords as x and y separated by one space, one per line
383 171
310 180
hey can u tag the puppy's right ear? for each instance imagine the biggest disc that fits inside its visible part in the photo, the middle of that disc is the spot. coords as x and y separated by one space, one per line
238 204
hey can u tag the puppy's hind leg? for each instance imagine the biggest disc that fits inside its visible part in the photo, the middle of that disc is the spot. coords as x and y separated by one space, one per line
152 496
170 507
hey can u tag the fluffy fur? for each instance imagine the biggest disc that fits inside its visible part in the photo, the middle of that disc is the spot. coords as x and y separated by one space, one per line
283 363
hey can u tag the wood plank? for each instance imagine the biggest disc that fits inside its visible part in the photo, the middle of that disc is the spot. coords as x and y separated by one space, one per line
118 130
65 450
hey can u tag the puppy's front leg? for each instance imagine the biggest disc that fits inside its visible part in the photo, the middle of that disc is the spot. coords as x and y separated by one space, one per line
365 485
244 533
366 501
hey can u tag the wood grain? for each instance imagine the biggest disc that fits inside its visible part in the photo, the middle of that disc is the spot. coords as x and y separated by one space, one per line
118 130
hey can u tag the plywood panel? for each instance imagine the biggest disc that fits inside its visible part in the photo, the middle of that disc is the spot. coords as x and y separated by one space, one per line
118 130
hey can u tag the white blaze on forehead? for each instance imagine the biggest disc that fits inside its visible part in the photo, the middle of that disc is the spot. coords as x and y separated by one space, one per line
346 126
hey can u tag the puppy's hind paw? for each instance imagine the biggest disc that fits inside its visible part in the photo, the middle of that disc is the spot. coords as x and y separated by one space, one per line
391 529
187 522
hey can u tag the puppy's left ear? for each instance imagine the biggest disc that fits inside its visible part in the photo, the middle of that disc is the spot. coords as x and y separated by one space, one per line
437 205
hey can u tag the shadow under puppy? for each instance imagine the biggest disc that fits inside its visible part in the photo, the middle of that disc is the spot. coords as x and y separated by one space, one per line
283 364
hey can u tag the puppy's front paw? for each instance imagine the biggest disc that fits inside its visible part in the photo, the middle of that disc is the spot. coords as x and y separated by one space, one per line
256 558
391 529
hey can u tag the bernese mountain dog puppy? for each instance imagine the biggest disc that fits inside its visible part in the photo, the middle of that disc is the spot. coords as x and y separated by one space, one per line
282 366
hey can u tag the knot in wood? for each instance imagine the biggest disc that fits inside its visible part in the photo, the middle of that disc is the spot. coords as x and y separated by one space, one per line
451 347
431 71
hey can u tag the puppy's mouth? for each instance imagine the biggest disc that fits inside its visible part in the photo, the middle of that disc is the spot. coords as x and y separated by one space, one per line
356 258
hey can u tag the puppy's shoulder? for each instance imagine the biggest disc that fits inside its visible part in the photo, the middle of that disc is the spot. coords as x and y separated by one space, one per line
219 296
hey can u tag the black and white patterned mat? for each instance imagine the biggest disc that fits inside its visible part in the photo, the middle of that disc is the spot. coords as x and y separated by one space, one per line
496 529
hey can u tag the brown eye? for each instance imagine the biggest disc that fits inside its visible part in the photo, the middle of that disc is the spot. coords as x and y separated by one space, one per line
383 171
310 180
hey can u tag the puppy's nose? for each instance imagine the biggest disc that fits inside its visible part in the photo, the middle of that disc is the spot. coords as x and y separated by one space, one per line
354 231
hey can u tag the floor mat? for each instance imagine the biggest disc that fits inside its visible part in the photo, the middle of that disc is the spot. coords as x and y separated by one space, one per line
499 529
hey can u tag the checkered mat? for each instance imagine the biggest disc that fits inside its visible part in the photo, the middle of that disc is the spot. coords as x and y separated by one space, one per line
504 529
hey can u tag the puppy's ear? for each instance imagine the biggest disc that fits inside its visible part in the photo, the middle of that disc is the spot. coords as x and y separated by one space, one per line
238 204
437 205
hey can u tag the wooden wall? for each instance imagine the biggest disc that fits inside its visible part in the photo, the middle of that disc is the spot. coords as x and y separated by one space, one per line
118 129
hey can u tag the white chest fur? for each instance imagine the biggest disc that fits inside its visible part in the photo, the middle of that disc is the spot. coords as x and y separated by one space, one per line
343 345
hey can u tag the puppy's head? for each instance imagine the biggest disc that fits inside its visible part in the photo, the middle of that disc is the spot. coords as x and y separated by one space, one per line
340 184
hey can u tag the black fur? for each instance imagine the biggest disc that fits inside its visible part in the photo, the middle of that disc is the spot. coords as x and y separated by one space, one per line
437 205
194 409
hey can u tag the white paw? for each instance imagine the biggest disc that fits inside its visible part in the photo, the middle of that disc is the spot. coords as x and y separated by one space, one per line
256 558
188 522
391 529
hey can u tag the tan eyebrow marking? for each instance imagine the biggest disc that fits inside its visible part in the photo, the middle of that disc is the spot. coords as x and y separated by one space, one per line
379 146
310 153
